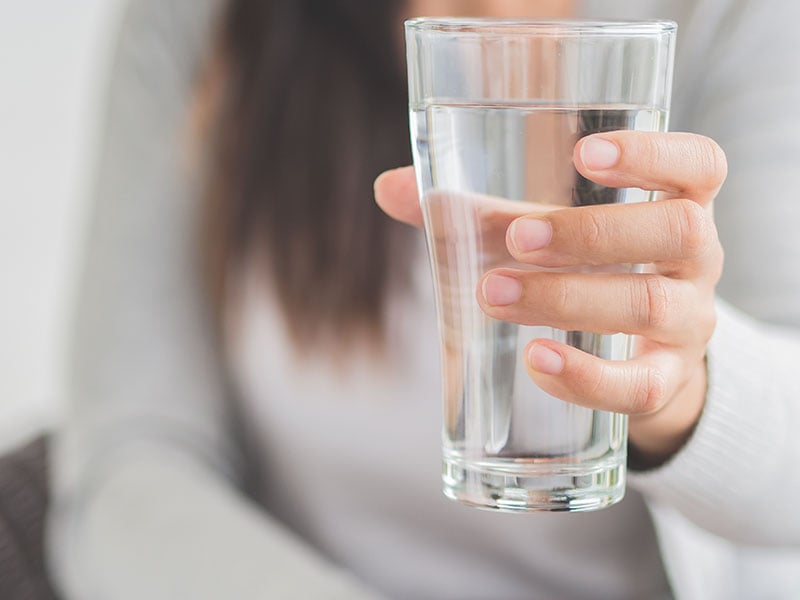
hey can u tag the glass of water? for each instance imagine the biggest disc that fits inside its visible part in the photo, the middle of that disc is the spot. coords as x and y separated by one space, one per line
497 107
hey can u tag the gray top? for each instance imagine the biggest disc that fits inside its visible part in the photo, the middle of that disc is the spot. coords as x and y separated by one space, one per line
148 502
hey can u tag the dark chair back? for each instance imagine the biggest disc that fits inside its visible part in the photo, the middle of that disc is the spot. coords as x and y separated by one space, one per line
23 506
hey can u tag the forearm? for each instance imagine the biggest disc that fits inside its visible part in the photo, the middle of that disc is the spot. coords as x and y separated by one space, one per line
154 523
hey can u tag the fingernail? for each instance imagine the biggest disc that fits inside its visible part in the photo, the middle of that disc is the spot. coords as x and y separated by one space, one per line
599 154
499 290
528 235
545 361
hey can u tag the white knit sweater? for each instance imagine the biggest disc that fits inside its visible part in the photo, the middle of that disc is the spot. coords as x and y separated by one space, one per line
343 477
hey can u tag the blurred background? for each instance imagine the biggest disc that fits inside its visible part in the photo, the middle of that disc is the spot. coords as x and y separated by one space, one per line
54 61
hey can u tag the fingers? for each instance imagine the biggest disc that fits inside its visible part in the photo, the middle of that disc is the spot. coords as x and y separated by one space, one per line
659 308
643 388
681 164
679 234
396 193
640 386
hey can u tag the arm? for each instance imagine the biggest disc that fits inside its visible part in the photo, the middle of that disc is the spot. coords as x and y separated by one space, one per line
726 432
738 476
145 496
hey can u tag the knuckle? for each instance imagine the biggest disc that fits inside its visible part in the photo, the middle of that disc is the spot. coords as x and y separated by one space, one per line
561 291
649 392
591 228
592 380
653 150
709 160
709 324
693 228
700 327
657 302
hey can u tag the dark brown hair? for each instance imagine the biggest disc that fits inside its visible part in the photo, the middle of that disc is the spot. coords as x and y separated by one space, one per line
312 107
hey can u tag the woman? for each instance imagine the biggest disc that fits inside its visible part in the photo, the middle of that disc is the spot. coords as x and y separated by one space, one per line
255 379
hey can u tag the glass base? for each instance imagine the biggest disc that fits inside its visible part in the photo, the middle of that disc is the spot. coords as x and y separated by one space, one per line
540 487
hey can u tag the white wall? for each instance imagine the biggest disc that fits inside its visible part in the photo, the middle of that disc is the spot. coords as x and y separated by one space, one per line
54 56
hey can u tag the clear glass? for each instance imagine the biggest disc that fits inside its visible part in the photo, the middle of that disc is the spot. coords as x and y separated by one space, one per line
496 109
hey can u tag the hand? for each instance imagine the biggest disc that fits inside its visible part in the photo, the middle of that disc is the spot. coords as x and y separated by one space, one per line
670 308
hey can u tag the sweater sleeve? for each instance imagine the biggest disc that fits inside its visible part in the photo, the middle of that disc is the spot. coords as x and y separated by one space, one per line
146 503
739 475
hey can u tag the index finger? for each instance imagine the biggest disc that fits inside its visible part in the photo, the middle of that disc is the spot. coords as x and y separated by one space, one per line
683 165
397 195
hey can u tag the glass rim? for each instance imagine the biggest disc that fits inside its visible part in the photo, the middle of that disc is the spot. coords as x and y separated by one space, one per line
477 26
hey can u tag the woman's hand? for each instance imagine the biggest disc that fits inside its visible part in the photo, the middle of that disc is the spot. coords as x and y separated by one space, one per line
670 308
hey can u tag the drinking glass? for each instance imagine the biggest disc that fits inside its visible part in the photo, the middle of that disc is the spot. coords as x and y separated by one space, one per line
496 109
